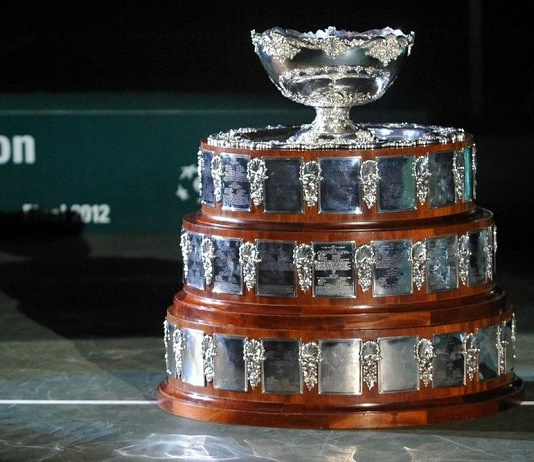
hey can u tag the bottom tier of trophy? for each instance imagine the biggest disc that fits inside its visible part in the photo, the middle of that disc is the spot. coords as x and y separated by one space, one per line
384 367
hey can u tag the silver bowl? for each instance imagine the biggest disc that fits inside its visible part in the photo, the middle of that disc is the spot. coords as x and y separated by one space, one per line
332 70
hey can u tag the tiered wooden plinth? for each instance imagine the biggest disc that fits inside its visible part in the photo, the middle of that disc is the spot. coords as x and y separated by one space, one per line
418 334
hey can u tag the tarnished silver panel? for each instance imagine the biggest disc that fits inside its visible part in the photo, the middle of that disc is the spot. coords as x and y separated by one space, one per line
449 361
441 185
392 272
477 273
339 189
396 185
339 368
276 271
442 263
281 367
229 363
192 357
398 369
227 274
333 274
207 189
488 356
235 184
195 266
282 188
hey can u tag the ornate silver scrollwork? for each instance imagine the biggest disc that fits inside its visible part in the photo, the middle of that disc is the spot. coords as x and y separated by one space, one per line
388 48
256 175
303 258
185 246
369 357
217 172
310 176
424 354
489 251
200 169
464 254
422 178
364 259
369 179
249 258
275 44
470 349
458 170
254 355
208 353
418 263
207 253
309 357
167 339
502 343
177 348
474 169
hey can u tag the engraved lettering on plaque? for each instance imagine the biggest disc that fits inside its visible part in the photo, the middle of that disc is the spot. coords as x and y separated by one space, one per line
276 270
339 189
281 367
235 184
449 361
398 370
392 272
229 363
441 185
283 188
227 274
339 368
477 273
442 263
193 358
206 179
488 355
396 186
195 266
333 272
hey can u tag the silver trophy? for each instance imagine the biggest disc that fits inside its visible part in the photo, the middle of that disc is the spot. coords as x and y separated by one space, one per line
332 70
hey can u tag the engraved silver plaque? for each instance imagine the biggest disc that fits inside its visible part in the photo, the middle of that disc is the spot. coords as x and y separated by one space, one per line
441 185
442 263
396 186
195 266
488 356
207 189
339 189
398 369
229 363
235 184
276 270
281 367
227 273
333 271
477 273
282 188
392 271
193 360
339 368
449 361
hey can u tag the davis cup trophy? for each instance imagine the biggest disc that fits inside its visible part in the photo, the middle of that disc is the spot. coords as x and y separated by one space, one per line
338 274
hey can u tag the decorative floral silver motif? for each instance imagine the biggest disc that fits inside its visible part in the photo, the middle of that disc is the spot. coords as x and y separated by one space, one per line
254 355
364 258
309 357
207 254
248 257
474 169
200 169
489 252
422 178
275 44
458 170
464 254
369 357
208 353
256 175
310 176
418 263
470 349
387 48
167 341
369 178
303 257
185 246
502 343
177 348
424 354
217 173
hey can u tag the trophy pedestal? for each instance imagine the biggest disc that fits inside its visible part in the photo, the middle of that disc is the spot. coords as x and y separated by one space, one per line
340 287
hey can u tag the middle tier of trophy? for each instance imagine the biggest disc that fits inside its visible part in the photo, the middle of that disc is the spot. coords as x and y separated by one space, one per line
338 274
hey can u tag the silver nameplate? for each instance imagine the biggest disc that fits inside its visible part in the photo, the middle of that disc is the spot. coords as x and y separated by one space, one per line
227 274
283 188
229 363
235 184
281 366
441 185
195 267
207 189
396 186
339 189
276 274
192 357
488 356
392 271
442 263
339 368
398 369
333 272
449 361
477 273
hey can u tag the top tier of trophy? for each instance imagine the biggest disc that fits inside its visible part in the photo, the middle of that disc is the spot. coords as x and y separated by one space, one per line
332 70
